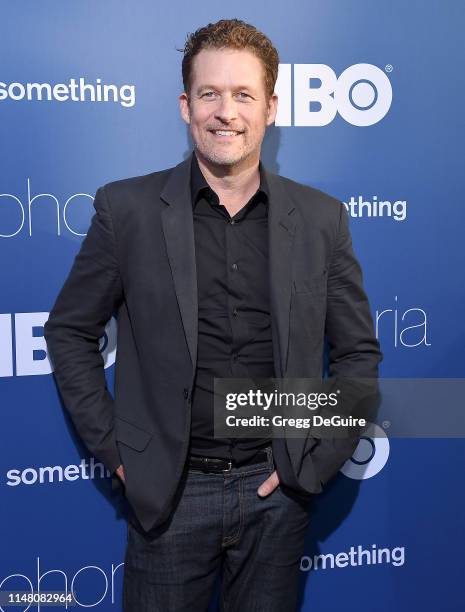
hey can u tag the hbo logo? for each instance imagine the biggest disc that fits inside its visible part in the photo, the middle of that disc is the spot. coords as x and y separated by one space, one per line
362 95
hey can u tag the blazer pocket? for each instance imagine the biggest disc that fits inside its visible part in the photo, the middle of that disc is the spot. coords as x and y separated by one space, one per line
314 285
131 435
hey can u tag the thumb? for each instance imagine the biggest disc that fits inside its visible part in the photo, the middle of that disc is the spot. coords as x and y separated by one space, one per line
269 485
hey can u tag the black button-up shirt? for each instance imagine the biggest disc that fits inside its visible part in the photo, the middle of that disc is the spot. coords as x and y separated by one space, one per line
234 323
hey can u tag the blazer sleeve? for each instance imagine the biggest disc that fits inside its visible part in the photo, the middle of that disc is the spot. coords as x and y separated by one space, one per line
354 351
76 322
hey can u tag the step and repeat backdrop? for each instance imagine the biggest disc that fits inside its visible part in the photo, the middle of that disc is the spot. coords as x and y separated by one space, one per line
371 111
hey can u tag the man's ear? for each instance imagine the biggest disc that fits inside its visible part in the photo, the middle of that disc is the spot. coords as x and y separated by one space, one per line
184 107
272 109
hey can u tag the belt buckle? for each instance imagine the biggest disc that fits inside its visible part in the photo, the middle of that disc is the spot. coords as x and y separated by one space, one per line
228 469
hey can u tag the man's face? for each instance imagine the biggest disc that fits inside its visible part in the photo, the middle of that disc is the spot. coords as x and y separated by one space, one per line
227 109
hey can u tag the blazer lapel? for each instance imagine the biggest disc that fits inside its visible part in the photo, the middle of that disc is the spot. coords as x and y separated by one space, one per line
281 232
178 228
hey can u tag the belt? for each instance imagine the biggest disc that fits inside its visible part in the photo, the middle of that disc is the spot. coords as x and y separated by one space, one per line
217 465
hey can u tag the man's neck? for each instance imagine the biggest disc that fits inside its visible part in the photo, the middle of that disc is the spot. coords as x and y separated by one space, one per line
233 185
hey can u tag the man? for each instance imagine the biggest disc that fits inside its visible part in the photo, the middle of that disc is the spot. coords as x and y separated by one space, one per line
214 268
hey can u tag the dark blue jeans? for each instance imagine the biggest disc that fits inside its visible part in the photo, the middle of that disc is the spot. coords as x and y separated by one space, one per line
220 525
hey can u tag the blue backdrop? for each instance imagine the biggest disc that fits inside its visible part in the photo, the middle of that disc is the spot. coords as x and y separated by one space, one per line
388 532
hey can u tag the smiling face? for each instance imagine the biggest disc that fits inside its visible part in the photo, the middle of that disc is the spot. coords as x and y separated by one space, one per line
227 108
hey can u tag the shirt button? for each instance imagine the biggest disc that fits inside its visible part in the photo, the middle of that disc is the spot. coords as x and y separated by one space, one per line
186 392
235 312
232 222
234 266
235 357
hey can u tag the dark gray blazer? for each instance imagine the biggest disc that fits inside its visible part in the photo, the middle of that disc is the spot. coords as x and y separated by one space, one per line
138 262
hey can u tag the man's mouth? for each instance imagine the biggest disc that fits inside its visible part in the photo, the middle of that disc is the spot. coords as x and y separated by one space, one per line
225 133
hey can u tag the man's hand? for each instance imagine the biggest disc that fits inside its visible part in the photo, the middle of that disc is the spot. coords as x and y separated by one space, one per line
120 472
269 485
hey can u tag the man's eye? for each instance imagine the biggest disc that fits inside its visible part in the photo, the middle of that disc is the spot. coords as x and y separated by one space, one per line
208 94
244 95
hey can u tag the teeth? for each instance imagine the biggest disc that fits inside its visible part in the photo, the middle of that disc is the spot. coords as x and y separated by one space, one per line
224 133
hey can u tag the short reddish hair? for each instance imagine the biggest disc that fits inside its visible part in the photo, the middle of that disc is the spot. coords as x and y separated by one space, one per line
232 34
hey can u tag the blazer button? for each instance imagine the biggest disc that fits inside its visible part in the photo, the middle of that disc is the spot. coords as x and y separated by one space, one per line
186 393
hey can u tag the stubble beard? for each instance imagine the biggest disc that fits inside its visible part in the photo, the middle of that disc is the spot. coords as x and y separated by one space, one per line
215 156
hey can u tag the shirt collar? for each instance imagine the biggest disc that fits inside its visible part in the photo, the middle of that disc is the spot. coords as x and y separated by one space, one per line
199 183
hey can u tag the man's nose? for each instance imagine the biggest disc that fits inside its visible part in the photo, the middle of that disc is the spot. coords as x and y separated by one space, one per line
226 110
